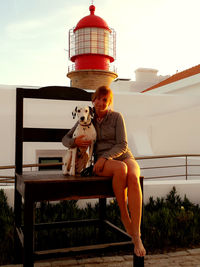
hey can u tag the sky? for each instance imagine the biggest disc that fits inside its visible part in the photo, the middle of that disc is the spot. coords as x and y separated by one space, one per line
158 34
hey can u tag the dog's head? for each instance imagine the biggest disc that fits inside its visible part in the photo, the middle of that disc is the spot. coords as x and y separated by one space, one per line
84 114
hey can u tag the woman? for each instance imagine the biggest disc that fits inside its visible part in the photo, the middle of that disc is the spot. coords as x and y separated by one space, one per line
115 159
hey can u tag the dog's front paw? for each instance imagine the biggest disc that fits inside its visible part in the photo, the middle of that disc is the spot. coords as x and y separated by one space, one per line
65 171
72 173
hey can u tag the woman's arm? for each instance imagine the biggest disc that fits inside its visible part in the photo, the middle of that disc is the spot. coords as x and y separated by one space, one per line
121 144
68 139
71 142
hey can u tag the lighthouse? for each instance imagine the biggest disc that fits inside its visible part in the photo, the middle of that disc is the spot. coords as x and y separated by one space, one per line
92 47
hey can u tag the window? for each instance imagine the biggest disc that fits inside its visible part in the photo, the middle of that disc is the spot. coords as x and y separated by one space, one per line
45 160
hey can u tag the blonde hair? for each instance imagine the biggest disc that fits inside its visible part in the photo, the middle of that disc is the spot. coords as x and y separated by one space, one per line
103 91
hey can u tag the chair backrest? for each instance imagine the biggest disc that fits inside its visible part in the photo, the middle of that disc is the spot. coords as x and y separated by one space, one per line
28 134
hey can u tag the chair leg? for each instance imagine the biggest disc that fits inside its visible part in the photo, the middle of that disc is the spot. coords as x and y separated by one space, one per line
18 222
18 257
139 261
102 208
102 217
28 232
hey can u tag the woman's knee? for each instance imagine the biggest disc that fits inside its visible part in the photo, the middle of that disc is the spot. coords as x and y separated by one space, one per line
133 169
121 167
120 175
134 176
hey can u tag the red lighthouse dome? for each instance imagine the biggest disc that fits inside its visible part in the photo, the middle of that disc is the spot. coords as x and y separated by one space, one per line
92 43
92 21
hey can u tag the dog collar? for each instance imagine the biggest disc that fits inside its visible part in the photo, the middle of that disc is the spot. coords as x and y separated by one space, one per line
86 125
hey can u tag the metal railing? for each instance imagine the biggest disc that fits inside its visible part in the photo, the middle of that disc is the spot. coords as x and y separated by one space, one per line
11 179
172 166
111 68
182 166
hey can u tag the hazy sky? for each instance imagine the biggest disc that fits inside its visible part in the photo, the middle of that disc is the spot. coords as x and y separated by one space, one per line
160 34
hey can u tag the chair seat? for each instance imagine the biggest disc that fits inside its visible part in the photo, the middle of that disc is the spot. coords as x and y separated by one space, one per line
50 185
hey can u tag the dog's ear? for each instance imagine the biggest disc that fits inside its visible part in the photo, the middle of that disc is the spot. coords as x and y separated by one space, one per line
74 113
91 112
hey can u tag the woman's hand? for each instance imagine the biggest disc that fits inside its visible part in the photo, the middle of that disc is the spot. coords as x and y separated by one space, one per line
80 141
98 166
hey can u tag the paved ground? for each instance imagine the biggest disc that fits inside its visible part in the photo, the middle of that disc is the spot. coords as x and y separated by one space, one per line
186 258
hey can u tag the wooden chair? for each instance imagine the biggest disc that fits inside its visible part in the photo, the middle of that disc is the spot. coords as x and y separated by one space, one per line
38 186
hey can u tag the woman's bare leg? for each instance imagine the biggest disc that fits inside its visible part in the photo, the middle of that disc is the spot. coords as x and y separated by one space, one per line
126 175
135 204
118 170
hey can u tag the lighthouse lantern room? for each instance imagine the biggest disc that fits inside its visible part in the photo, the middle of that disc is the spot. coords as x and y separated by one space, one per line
92 47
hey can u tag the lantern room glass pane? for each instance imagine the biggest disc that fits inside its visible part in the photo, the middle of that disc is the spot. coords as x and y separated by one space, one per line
80 45
100 50
94 37
101 44
92 40
93 43
87 50
86 30
81 38
87 37
94 50
86 44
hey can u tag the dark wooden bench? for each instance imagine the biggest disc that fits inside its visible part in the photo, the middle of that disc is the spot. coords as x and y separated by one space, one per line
38 186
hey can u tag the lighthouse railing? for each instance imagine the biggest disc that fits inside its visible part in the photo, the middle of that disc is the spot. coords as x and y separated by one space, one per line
111 68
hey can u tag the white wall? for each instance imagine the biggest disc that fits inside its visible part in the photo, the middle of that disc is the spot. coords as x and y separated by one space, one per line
190 189
7 124
161 124
178 131
156 124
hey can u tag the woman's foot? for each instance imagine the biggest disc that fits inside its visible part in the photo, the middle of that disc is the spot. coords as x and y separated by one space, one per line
139 249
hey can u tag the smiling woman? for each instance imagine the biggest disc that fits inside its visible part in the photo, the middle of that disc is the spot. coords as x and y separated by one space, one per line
114 159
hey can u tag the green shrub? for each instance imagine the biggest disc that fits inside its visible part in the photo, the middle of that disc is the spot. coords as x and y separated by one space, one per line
6 230
171 223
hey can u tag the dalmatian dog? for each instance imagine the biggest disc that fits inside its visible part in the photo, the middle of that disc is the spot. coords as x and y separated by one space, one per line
77 159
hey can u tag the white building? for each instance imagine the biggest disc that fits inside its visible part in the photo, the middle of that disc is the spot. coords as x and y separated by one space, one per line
185 82
144 78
